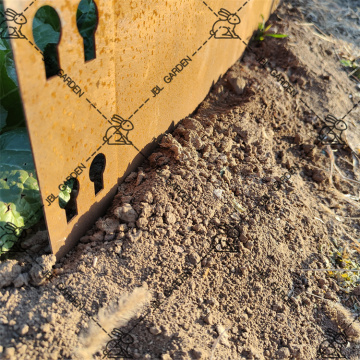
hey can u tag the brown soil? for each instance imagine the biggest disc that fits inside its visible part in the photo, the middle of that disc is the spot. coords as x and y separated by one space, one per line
246 134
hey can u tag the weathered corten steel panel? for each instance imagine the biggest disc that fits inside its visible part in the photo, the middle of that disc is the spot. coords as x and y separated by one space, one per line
138 43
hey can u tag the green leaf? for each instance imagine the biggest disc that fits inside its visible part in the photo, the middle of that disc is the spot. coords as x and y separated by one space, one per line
346 63
20 201
4 44
86 18
44 34
64 196
267 28
3 116
48 15
11 144
7 85
277 35
12 115
10 68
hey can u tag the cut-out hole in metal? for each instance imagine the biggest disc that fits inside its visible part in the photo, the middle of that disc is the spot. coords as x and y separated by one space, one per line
67 198
87 21
46 31
96 172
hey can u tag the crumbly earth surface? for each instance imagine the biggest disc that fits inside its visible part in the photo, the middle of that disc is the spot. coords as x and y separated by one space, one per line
245 135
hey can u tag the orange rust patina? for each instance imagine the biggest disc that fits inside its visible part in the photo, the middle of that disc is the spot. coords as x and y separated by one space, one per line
155 62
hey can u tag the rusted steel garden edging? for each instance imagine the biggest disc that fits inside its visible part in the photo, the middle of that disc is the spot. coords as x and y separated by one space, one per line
155 62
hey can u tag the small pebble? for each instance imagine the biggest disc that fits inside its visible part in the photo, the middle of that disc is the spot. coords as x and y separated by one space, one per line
208 319
197 354
24 329
10 353
155 330
283 353
94 262
297 139
249 245
45 328
194 258
237 83
330 295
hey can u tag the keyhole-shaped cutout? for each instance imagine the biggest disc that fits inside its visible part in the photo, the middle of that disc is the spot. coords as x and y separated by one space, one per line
96 172
47 33
67 198
87 21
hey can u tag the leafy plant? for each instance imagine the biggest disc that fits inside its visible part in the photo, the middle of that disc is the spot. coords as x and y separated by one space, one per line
86 21
11 111
64 196
19 190
262 32
346 280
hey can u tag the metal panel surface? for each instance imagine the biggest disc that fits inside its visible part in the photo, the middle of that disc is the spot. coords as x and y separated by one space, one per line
155 62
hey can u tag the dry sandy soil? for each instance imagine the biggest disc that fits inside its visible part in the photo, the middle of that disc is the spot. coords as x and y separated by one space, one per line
245 135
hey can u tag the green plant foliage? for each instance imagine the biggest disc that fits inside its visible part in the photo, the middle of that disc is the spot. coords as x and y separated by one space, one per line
64 196
19 190
342 259
262 32
353 67
46 27
346 63
279 36
86 18
46 30
11 111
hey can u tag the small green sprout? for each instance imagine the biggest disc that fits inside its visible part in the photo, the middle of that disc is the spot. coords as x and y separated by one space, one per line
353 66
262 32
